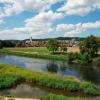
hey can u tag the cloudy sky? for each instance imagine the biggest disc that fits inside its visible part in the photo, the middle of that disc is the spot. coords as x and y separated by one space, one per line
20 19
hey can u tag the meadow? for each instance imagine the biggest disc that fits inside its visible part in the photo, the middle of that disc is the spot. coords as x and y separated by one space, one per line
38 52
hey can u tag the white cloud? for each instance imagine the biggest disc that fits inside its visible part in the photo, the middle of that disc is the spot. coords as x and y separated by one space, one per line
39 25
17 6
80 7
1 21
75 29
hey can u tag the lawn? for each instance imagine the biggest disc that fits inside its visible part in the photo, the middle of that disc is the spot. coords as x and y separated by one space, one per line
39 50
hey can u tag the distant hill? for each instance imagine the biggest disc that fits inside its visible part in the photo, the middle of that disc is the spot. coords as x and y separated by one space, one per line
59 38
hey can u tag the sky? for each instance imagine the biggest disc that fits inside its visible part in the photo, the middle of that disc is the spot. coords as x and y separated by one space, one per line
21 19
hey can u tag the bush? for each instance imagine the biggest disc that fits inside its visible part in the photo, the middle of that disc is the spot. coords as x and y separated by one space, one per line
72 57
85 58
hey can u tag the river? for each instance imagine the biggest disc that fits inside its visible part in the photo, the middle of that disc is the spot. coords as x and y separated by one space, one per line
86 72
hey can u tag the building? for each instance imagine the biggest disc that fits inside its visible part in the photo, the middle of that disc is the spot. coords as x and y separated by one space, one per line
42 43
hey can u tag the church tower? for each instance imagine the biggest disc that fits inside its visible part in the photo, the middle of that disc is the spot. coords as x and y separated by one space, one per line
31 40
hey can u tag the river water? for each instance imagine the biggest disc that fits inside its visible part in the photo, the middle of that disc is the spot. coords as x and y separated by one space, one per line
88 73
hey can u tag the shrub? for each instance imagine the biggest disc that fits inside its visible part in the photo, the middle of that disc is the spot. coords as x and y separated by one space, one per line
85 58
71 57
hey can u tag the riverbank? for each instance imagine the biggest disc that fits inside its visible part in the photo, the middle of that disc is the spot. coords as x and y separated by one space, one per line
48 97
43 53
6 98
34 53
12 75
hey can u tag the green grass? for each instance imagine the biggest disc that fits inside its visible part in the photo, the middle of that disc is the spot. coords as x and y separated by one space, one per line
59 97
45 79
7 81
33 52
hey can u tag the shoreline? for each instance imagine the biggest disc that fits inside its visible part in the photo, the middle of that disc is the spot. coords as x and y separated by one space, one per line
35 55
7 98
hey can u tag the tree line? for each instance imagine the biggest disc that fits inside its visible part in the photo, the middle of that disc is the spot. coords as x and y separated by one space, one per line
88 50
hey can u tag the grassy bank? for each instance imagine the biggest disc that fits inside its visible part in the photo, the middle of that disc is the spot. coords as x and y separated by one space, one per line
59 97
17 74
48 97
33 52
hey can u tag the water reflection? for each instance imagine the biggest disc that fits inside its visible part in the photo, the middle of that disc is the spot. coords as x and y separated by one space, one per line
89 73
24 91
52 67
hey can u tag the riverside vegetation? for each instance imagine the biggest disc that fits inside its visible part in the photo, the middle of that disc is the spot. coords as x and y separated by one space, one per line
59 97
12 75
50 97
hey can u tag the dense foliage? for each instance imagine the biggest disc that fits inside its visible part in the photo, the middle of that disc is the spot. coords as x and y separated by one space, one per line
90 46
1 45
49 80
52 45
7 81
71 57
85 58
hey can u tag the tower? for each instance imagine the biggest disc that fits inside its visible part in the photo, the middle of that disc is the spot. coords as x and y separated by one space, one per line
31 40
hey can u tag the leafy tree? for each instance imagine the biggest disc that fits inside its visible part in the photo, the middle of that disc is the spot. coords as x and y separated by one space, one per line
8 43
90 46
53 45
71 57
63 48
85 58
1 45
20 44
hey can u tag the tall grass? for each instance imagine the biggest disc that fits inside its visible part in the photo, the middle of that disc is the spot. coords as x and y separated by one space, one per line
49 80
59 97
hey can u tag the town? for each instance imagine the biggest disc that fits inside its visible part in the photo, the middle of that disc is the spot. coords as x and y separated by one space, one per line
42 43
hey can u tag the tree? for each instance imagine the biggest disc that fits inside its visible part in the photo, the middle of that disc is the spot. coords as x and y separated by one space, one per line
63 48
85 58
90 46
1 45
52 45
70 57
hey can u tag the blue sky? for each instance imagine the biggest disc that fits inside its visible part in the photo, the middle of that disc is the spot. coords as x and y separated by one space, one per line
20 19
